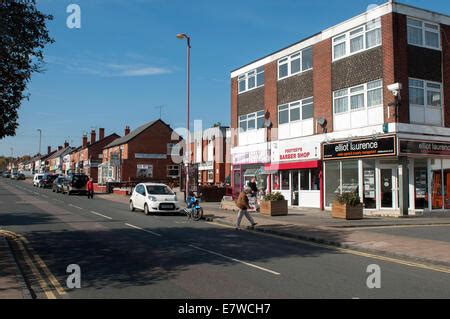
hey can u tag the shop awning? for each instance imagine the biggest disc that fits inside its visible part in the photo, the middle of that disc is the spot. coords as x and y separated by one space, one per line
274 167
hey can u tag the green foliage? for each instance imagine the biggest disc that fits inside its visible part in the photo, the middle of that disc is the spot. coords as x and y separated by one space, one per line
23 36
274 197
351 199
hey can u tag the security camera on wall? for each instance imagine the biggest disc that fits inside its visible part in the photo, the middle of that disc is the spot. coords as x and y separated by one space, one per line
395 88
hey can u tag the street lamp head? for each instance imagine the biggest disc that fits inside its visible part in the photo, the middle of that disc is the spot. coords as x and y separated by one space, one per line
181 36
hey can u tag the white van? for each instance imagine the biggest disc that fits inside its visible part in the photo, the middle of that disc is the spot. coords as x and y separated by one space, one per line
37 178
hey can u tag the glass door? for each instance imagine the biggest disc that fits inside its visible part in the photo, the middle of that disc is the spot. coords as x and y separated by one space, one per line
295 188
388 187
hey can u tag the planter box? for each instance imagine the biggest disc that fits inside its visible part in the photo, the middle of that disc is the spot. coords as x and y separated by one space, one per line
121 192
274 208
343 211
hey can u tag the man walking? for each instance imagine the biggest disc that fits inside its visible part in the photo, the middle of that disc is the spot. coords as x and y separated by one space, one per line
243 205
90 188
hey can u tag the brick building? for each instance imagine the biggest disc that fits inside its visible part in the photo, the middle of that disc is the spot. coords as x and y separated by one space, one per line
88 156
143 154
210 154
320 117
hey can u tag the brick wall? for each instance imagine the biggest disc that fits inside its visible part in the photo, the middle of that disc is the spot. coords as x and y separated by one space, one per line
270 94
323 105
295 88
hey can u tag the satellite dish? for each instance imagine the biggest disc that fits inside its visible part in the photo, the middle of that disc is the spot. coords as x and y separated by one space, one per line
267 123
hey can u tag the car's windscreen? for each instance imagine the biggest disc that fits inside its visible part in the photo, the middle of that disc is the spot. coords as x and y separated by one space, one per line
40 177
159 190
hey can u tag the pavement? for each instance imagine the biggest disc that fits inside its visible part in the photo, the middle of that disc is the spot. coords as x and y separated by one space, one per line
123 254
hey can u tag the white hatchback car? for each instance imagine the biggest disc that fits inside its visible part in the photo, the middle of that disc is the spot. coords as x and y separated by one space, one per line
154 198
37 178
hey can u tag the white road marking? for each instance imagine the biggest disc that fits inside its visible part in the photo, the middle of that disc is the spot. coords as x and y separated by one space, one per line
36 193
101 215
147 231
44 196
77 207
237 260
57 200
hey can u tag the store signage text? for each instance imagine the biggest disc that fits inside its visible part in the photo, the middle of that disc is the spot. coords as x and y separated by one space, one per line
294 154
384 146
419 147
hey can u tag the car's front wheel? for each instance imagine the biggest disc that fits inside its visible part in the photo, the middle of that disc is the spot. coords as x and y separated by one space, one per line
132 209
146 210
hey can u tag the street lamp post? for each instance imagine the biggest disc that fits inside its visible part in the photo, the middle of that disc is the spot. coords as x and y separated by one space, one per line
40 139
182 36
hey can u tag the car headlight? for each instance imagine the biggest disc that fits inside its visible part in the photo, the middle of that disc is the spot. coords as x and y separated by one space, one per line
152 198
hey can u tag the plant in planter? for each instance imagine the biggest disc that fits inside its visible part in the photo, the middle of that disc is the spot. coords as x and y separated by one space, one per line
347 206
274 204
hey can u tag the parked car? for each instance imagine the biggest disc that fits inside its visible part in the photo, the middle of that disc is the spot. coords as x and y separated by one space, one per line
18 176
76 183
37 178
154 198
6 174
14 175
58 184
47 181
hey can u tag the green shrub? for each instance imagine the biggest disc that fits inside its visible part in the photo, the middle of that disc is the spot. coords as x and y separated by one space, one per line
273 197
351 199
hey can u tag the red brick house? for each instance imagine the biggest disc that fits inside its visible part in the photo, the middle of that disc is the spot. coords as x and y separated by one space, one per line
143 154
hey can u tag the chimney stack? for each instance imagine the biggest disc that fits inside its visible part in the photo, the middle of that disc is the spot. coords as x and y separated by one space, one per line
49 149
84 141
127 130
66 144
101 133
59 147
93 135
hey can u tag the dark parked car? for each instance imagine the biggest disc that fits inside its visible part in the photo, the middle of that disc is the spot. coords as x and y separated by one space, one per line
6 174
19 177
47 181
76 183
58 184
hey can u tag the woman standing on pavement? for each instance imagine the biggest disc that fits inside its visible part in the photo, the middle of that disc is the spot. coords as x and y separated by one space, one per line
90 188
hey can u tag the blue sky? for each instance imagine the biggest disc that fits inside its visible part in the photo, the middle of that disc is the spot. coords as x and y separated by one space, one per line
125 60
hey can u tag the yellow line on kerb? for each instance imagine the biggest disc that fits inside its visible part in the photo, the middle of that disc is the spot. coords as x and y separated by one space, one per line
29 255
354 252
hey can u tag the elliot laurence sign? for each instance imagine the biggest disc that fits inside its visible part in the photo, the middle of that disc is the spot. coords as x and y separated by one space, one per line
369 147
424 147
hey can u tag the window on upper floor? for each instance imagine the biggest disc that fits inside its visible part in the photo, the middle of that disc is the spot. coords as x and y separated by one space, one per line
424 34
296 111
358 97
357 40
252 121
296 63
425 102
251 80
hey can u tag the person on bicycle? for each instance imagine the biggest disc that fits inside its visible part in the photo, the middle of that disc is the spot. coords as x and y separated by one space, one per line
191 200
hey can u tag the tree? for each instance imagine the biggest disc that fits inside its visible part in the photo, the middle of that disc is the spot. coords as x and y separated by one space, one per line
23 36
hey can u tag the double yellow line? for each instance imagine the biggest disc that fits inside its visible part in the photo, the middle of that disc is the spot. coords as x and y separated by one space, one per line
37 266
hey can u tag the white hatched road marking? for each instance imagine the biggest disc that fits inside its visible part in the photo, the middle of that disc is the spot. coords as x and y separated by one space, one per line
101 215
147 231
237 260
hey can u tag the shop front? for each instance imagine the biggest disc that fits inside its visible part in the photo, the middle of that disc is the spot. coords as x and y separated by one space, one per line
296 172
366 166
248 163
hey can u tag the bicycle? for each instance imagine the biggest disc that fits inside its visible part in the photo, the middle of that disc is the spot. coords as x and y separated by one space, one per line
195 212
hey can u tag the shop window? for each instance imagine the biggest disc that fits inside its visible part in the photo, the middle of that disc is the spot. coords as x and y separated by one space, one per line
276 182
285 180
421 184
144 171
304 180
436 184
446 176
350 177
333 181
315 179
369 185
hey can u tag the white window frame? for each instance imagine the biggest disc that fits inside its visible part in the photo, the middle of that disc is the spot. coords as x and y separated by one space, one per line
288 59
346 38
424 30
427 89
246 76
172 168
294 105
250 117
349 95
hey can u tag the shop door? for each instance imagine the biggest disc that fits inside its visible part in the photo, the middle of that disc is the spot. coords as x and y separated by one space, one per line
388 187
